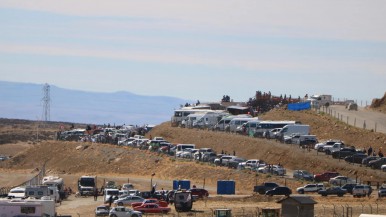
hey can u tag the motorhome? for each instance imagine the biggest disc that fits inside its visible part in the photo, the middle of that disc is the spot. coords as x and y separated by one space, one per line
319 100
265 126
87 184
182 114
288 130
53 181
40 191
235 122
209 119
28 207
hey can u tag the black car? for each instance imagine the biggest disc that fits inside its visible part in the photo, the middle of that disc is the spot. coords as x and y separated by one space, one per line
376 164
279 191
367 160
303 174
344 152
349 187
356 158
333 191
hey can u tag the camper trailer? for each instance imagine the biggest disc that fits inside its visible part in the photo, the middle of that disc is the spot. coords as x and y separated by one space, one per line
53 181
40 191
28 207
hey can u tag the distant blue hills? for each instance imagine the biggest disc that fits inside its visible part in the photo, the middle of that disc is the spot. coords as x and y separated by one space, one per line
24 101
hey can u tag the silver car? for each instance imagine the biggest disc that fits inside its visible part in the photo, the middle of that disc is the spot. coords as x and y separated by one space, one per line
128 200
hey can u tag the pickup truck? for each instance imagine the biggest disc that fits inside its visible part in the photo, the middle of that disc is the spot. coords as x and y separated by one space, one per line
261 189
328 149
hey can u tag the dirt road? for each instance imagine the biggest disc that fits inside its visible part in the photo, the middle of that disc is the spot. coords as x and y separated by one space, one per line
363 118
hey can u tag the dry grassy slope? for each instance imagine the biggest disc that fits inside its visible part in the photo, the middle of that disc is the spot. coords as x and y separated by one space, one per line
63 157
379 104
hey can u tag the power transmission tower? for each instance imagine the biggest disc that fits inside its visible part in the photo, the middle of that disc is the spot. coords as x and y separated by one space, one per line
46 102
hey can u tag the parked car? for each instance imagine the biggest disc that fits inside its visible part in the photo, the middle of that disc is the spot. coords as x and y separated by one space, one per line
343 152
320 146
199 192
382 191
325 177
349 187
128 200
356 158
281 190
341 180
102 210
362 190
261 189
333 191
209 157
376 164
274 169
152 208
383 168
223 160
303 174
151 200
121 211
367 160
234 163
127 186
310 188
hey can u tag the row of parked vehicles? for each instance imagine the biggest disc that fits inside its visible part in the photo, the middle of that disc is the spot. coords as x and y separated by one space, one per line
338 150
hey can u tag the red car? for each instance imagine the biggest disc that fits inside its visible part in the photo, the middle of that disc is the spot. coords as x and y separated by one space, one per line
325 177
199 192
151 208
161 203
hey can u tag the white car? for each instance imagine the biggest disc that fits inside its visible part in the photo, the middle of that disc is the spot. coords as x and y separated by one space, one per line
341 180
383 168
274 169
18 192
310 188
128 200
121 211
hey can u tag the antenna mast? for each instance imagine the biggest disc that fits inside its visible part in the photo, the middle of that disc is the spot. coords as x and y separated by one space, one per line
46 102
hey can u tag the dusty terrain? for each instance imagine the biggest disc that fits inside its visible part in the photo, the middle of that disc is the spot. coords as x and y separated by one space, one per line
18 139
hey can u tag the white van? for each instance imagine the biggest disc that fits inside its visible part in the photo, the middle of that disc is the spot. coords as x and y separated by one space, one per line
298 129
208 120
110 192
235 122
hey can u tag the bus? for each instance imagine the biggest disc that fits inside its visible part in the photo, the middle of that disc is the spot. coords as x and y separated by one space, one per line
265 126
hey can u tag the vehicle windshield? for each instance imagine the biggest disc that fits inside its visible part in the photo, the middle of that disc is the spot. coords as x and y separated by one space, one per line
87 182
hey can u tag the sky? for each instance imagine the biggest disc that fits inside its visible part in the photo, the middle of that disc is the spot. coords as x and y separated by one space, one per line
198 50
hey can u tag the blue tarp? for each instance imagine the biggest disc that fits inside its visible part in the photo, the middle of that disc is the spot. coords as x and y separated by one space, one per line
299 106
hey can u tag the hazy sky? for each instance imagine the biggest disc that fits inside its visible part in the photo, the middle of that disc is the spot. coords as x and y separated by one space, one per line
198 49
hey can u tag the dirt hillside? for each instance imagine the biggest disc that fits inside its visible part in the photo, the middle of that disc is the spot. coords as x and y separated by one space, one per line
379 104
87 158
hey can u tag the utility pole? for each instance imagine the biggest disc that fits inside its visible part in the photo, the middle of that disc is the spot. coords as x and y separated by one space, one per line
46 102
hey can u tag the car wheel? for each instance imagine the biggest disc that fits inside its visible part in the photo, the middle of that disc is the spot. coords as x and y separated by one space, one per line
134 215
165 212
340 195
113 215
328 152
324 195
120 204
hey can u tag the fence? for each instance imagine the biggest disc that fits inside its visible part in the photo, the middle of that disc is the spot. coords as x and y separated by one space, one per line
36 180
356 120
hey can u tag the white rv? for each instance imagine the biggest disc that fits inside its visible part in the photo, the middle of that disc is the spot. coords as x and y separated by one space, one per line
319 100
298 129
28 207
53 181
182 114
209 119
40 191
18 192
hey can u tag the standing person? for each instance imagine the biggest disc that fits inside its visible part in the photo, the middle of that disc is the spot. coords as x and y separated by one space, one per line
369 151
95 194
110 200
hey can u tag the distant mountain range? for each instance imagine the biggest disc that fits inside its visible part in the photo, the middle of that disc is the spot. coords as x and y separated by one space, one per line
24 101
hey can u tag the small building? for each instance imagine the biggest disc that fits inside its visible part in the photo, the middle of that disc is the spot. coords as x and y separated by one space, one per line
299 206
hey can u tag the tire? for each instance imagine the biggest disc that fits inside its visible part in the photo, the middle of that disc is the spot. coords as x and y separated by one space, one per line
113 215
134 215
340 195
328 152
120 204
301 192
324 195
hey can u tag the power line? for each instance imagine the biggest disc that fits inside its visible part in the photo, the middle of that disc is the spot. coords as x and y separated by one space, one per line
46 102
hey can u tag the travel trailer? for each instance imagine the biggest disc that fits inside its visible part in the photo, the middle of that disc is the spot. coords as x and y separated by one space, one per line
53 181
318 101
28 207
40 191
